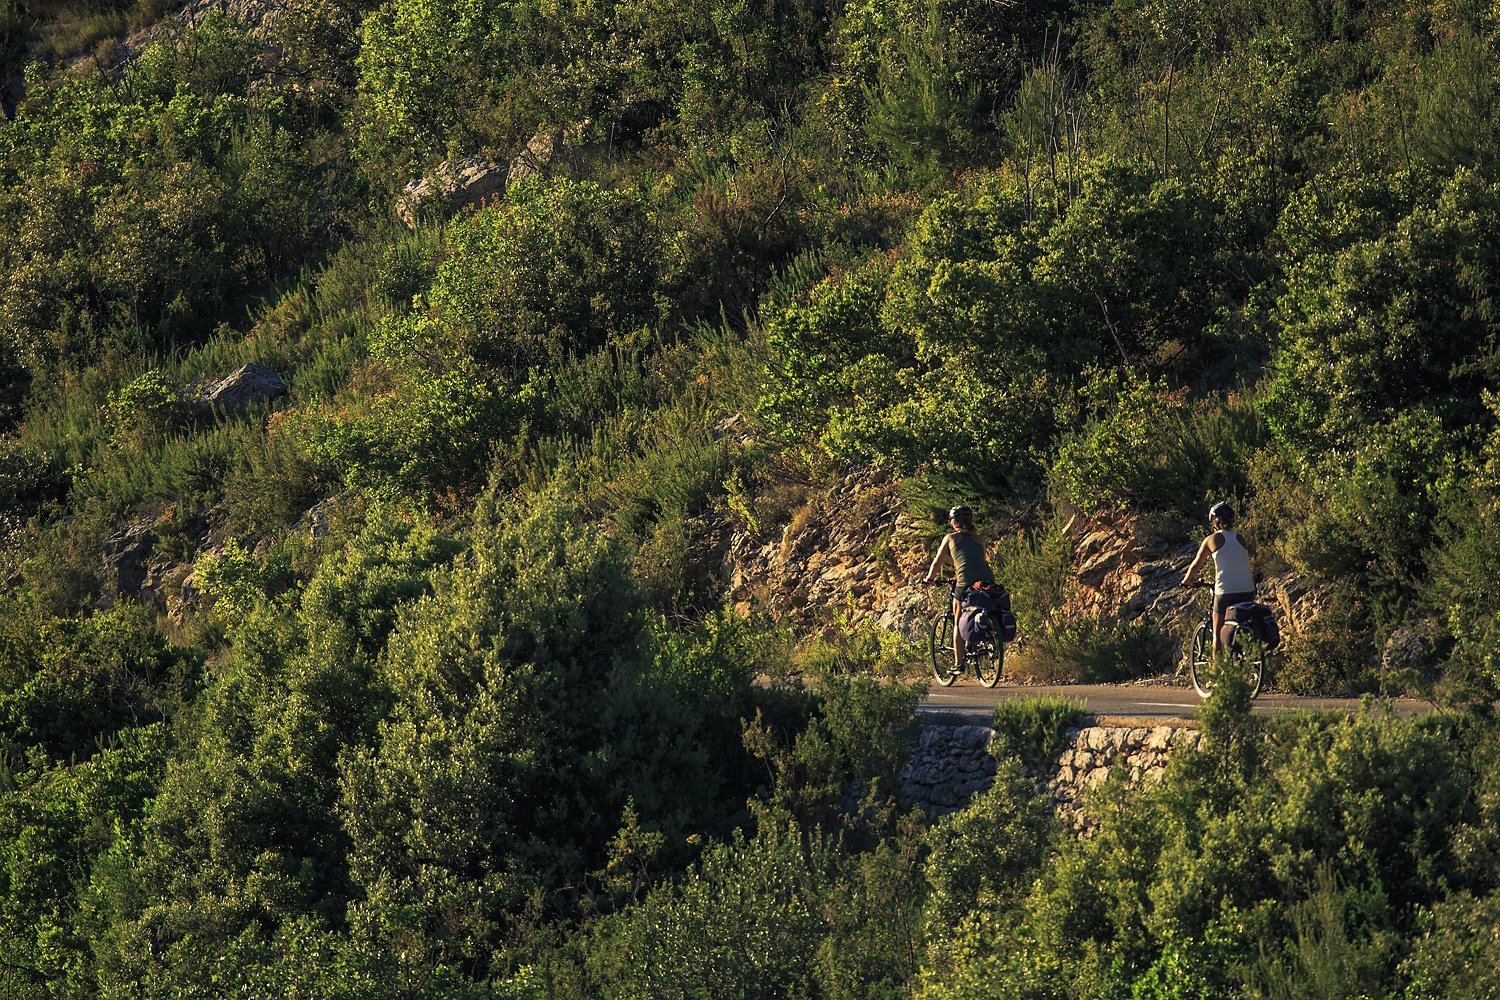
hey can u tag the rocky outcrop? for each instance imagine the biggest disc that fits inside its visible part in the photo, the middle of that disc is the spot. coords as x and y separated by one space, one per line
139 564
453 186
1123 569
850 547
247 386
1411 649
257 17
474 181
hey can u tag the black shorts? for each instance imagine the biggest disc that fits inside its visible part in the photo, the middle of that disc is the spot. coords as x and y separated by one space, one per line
1222 602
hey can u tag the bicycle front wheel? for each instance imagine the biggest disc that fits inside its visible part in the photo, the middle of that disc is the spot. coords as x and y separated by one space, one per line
1201 661
989 663
940 648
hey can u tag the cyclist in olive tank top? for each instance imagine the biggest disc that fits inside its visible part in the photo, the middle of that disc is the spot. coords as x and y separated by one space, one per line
965 551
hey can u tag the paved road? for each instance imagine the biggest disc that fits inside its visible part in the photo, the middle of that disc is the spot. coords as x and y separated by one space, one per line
1129 700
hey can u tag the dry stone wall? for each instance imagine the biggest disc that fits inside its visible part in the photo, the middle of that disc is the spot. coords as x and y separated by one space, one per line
1094 754
951 764
948 767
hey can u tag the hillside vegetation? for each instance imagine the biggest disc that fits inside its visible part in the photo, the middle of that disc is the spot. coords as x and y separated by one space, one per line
417 679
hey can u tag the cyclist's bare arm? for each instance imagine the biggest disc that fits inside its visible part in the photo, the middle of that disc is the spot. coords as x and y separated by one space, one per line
1198 560
937 560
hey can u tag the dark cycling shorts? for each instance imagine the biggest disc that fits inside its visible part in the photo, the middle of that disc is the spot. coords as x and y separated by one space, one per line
1222 602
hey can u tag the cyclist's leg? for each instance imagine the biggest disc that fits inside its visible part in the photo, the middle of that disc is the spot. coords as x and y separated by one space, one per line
958 634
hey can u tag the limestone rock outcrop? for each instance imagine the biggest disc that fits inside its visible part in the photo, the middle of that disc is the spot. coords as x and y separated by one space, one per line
453 186
850 548
243 388
144 560
1123 569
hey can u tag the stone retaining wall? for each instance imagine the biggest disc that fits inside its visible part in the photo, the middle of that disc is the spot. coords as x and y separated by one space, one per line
948 767
1093 753
951 764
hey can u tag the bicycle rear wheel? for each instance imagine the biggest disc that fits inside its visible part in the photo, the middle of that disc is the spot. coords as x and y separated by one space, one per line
1250 657
989 663
940 648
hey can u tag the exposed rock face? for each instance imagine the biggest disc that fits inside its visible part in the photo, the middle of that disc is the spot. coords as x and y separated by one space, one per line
453 186
851 547
135 567
534 157
258 17
475 180
1123 571
236 392
545 148
1410 648
126 554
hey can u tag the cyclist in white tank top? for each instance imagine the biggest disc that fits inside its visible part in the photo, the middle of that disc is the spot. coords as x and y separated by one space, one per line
1234 580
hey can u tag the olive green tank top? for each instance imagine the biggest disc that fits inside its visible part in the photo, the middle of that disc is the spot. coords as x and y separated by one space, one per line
969 563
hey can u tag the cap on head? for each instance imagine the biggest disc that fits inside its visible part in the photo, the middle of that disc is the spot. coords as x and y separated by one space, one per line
1221 512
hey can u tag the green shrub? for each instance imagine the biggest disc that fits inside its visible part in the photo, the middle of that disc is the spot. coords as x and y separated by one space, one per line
56 825
1114 460
745 922
143 408
981 865
1085 649
849 755
1147 448
79 683
849 648
1036 567
420 63
1031 728
1333 653
1388 323
1456 954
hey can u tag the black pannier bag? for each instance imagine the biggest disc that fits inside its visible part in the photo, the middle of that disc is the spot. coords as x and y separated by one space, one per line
986 596
1258 619
986 614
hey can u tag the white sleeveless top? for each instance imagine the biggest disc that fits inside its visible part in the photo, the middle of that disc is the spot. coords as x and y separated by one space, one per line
1232 573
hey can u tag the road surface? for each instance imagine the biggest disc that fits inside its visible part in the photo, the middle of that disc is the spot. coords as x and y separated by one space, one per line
1136 701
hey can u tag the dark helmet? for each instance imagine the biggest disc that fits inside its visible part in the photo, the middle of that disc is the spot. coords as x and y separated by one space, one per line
960 514
1222 512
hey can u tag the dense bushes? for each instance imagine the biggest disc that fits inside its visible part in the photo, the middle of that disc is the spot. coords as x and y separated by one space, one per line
453 707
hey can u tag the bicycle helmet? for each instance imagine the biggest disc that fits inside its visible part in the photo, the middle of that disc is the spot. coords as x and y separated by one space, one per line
960 514
1222 512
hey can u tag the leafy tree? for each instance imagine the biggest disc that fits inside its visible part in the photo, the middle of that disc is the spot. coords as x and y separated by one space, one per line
56 824
422 64
492 780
